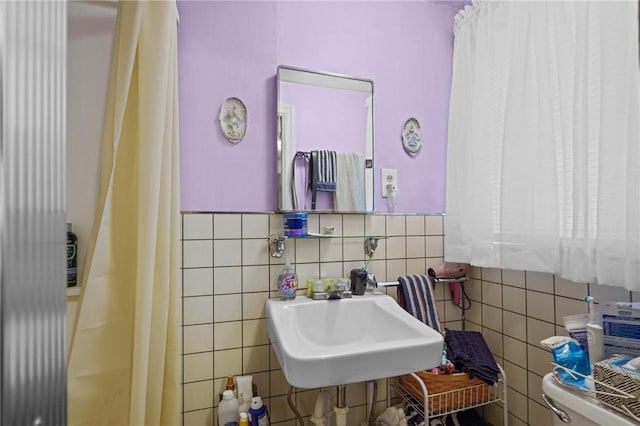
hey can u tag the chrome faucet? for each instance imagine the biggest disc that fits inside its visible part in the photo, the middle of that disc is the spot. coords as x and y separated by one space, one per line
337 291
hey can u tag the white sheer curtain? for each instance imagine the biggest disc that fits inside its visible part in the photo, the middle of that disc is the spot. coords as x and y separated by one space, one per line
543 167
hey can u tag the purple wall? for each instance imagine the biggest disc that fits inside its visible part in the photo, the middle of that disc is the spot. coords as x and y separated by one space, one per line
233 48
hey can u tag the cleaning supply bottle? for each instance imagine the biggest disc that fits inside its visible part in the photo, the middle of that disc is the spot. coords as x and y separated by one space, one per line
72 257
244 419
287 282
228 409
258 412
595 335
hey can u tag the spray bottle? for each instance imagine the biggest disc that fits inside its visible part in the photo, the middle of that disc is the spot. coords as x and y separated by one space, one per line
595 335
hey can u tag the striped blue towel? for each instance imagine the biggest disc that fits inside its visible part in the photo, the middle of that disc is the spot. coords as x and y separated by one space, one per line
415 295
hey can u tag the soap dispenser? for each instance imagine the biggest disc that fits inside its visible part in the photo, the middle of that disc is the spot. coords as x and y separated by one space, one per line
595 335
287 282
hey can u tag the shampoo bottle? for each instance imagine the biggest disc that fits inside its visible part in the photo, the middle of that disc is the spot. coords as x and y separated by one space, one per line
72 257
287 282
595 335
228 409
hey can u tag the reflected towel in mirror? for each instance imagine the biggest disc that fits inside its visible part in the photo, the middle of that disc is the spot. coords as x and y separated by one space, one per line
350 191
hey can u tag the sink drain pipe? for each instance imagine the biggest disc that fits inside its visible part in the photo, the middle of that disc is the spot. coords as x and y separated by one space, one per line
322 409
341 408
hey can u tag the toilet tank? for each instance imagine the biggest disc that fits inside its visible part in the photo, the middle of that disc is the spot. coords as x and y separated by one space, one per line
580 409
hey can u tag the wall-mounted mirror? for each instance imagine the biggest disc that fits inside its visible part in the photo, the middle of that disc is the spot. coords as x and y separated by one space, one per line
324 141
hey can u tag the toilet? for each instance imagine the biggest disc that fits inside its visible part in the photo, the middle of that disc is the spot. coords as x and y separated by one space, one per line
575 408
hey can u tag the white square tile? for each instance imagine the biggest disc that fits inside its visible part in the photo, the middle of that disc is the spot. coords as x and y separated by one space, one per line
518 402
515 351
253 305
227 307
313 224
514 325
604 293
538 330
494 341
540 281
352 249
254 332
375 225
416 246
197 282
565 306
396 268
197 338
198 367
334 220
570 289
255 225
331 270
197 226
540 305
198 418
306 272
227 225
255 252
197 310
516 376
416 266
255 359
227 335
227 252
539 415
255 278
396 225
534 386
473 288
492 318
474 313
307 250
492 274
197 254
435 246
396 247
435 225
276 225
330 249
198 395
416 225
539 360
492 294
379 269
227 362
514 299
227 279
513 278
475 272
353 224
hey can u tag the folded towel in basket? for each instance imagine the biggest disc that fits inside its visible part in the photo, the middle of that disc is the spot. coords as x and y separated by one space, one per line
415 295
472 355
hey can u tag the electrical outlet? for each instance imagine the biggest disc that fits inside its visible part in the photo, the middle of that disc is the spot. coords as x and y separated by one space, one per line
388 176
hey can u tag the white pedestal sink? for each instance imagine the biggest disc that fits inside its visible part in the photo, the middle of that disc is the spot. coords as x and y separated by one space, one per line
322 343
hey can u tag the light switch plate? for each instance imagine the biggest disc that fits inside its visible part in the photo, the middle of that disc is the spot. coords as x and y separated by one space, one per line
388 176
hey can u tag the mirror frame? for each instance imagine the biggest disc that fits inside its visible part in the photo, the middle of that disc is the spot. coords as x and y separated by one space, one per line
308 77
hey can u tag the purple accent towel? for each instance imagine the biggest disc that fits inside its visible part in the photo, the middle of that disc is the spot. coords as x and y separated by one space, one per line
472 355
415 295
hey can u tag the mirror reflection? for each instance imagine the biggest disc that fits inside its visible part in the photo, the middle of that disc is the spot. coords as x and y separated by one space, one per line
324 141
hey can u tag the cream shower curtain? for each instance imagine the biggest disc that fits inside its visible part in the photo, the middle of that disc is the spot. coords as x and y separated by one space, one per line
124 358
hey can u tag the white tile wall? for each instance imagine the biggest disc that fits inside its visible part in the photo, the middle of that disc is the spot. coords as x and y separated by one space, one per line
228 275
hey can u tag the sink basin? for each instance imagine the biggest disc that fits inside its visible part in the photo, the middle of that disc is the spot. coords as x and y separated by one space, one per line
322 343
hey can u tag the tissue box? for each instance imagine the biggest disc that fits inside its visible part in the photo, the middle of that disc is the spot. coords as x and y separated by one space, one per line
621 328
